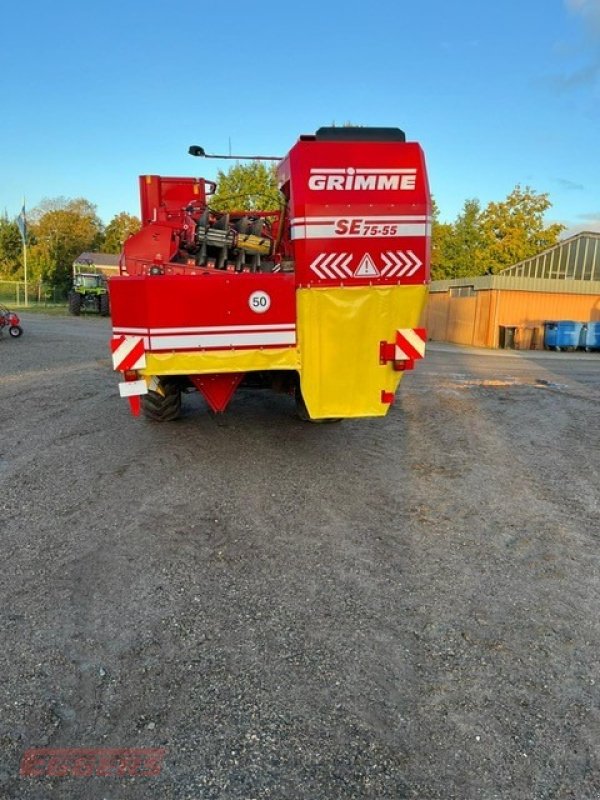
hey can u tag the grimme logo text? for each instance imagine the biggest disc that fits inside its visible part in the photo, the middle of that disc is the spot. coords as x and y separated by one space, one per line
352 178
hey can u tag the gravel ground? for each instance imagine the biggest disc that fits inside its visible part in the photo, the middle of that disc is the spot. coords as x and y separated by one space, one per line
398 608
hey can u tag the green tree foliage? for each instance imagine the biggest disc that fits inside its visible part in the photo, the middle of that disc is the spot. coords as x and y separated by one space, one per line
118 230
485 241
514 229
11 249
441 238
251 187
467 248
61 230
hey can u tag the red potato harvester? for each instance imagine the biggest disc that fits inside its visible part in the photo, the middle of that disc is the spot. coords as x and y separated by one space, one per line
320 297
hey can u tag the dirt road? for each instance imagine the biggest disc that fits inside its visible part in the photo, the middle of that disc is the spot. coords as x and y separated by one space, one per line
398 608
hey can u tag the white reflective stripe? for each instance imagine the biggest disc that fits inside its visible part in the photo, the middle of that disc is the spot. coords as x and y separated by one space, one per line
401 355
223 340
140 363
368 219
288 326
131 388
328 232
120 353
413 338
119 331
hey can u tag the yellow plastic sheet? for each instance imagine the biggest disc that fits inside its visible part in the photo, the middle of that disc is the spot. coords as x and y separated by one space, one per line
219 361
339 331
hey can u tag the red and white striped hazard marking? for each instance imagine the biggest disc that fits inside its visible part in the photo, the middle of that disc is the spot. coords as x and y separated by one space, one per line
332 265
396 264
410 344
400 263
128 352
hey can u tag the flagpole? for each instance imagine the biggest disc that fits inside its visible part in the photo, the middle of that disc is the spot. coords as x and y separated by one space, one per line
25 257
25 271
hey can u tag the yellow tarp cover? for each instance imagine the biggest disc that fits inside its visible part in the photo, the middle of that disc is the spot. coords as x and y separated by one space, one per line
339 331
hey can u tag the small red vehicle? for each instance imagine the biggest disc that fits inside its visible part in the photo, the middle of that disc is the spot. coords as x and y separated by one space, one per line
10 320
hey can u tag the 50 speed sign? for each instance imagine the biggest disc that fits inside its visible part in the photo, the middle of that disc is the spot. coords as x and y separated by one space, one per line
259 302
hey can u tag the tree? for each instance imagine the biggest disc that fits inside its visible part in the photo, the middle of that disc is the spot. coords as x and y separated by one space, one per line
441 242
467 247
514 229
118 230
61 230
11 248
457 247
251 187
504 233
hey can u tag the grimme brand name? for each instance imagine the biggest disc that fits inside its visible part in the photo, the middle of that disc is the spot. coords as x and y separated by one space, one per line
352 178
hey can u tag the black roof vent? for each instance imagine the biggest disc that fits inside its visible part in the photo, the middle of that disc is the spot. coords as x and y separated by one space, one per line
360 134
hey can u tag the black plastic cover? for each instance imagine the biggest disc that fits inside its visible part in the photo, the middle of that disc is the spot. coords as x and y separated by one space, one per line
360 134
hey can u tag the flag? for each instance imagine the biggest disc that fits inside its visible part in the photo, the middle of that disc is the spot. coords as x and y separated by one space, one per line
22 223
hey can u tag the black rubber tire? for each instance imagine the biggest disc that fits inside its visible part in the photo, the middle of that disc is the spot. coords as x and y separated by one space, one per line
15 331
104 307
157 408
75 303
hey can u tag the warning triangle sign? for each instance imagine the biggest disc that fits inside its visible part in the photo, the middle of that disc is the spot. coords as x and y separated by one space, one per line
366 268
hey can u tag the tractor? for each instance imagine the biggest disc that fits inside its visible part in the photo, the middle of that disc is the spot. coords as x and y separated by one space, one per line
89 291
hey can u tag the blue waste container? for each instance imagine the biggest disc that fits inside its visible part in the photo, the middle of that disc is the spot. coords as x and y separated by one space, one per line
563 334
550 335
591 340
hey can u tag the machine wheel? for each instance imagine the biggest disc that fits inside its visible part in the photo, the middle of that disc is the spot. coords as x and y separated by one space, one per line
103 305
159 408
15 331
303 414
75 303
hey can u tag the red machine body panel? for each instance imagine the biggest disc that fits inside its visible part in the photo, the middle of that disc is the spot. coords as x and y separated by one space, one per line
160 196
212 311
359 212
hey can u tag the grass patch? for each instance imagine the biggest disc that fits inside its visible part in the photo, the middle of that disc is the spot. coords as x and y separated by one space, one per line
54 310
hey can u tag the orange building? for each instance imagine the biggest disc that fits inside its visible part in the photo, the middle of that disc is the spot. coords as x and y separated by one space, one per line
509 309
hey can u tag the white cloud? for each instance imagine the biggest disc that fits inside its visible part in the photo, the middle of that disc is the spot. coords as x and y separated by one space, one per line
590 222
585 72
589 11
